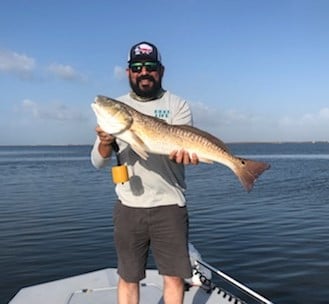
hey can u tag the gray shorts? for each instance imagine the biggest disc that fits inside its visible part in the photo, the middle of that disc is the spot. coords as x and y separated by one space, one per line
163 229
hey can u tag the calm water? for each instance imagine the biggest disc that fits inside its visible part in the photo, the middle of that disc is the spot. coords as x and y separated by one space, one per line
55 219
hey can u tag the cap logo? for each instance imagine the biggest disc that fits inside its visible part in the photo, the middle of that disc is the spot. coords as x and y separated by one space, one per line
143 49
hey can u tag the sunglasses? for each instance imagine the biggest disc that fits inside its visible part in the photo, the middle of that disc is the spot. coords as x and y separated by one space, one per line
136 67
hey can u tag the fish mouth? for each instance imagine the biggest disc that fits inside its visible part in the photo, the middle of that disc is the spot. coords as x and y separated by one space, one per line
99 98
95 100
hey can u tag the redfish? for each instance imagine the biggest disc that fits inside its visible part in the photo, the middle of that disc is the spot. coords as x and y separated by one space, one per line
146 134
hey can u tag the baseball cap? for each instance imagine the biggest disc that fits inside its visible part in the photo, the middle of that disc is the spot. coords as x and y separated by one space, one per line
144 51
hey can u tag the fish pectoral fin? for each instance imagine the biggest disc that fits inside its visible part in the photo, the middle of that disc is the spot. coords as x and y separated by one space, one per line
138 146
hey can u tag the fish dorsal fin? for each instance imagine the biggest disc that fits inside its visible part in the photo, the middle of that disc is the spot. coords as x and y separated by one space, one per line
205 134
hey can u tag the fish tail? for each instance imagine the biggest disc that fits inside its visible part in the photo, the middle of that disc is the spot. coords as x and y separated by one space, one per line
248 171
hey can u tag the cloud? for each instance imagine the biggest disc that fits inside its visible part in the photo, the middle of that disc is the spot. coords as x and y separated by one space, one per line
119 72
26 68
309 126
65 72
31 107
31 122
233 125
227 124
54 111
216 118
19 64
324 114
320 118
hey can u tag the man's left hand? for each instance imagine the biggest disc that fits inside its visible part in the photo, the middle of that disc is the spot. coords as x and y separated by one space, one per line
183 157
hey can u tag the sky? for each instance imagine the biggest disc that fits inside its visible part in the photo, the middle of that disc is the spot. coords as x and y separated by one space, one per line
251 70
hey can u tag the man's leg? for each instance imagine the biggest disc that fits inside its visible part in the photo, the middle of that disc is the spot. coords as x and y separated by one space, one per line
132 243
128 293
173 290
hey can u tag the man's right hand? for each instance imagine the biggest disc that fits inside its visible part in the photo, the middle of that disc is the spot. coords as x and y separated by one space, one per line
104 147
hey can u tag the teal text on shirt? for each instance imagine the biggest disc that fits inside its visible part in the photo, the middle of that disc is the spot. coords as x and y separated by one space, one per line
159 113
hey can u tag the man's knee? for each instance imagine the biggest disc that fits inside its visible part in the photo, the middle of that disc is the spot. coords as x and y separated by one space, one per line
128 292
126 284
173 281
173 290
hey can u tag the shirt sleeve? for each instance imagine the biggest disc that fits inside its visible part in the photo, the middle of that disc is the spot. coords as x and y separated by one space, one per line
96 159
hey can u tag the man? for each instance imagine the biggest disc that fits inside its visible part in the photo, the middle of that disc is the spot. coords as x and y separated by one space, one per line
151 210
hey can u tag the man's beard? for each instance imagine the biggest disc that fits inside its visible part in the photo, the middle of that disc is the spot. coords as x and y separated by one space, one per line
149 93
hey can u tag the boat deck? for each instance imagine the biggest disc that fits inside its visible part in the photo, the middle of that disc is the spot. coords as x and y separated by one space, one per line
99 287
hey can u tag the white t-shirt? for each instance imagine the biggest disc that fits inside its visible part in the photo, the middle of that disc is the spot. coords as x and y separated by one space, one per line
157 181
